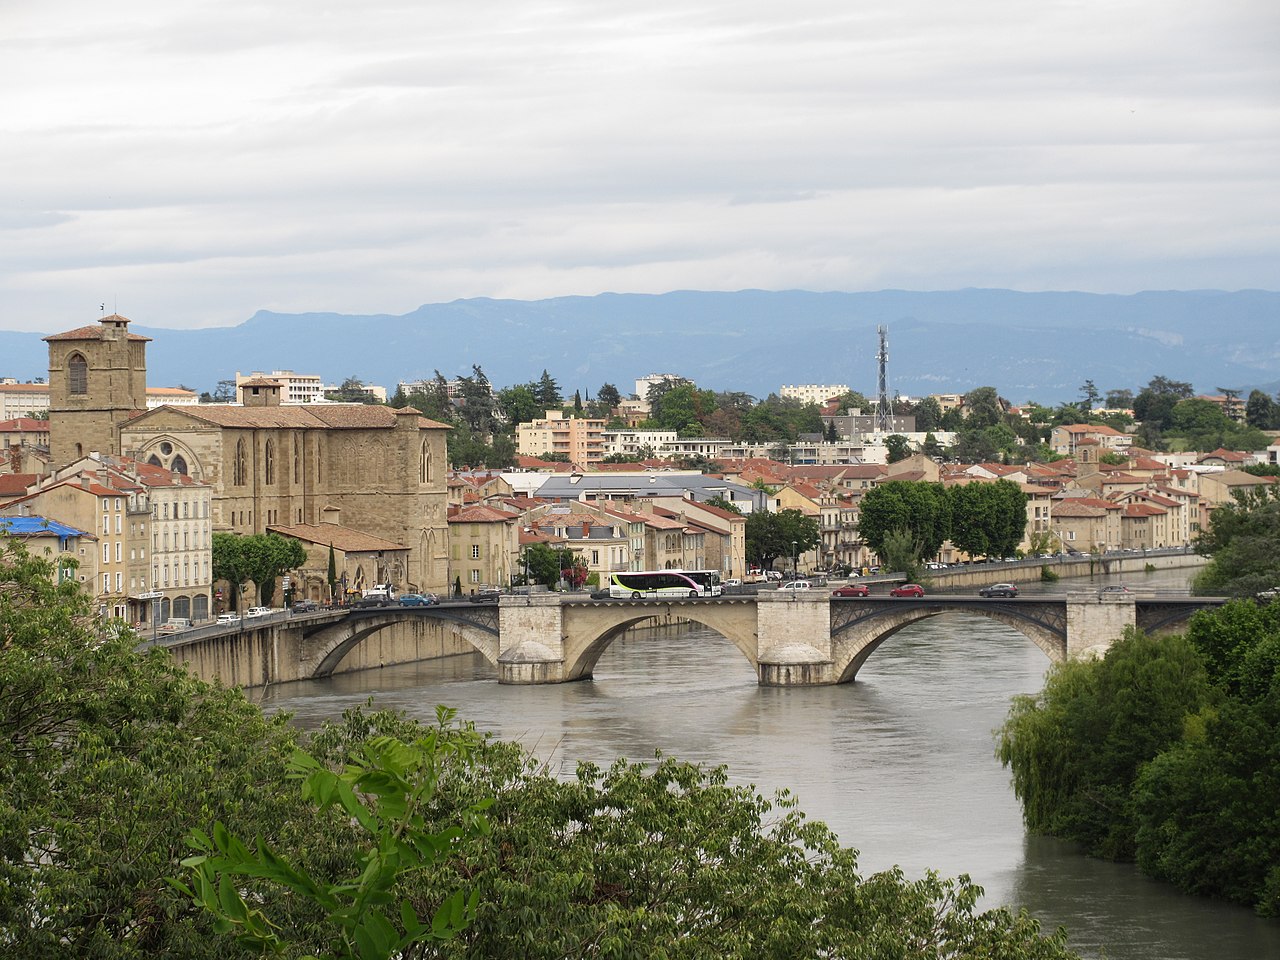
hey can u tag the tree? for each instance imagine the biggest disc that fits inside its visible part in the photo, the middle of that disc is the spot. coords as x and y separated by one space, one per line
1155 402
983 408
1243 544
547 565
772 535
386 788
987 519
547 392
1119 399
898 447
722 504
921 509
608 395
261 557
1260 410
1076 749
1089 396
520 404
928 415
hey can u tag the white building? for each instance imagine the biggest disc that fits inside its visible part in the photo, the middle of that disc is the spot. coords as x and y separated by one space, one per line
818 393
644 383
294 387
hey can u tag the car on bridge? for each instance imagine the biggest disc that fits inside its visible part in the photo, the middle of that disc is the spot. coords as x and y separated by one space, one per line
418 599
795 586
258 612
226 619
305 606
486 595
852 590
907 590
999 590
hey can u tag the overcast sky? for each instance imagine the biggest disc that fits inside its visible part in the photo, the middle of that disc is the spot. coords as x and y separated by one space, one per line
188 162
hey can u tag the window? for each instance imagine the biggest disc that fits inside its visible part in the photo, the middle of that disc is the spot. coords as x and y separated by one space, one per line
475 551
117 504
118 523
238 468
269 462
297 461
77 375
119 582
106 552
106 523
427 466
475 576
106 583
119 551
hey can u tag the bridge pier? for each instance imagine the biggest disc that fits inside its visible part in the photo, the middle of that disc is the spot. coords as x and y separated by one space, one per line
1095 621
793 634
532 631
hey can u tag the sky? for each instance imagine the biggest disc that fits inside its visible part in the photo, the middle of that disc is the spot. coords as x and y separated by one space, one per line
187 164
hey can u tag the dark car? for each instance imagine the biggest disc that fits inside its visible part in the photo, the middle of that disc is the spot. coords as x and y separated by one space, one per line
999 590
305 606
418 599
907 590
490 595
852 590
1113 589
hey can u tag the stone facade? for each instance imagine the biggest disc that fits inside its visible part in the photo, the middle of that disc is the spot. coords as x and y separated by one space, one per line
97 380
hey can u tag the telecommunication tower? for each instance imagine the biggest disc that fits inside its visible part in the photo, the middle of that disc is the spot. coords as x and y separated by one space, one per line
884 408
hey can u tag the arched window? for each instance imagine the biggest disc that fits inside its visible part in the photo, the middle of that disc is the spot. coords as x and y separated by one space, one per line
155 461
179 465
297 459
77 375
427 466
269 462
238 472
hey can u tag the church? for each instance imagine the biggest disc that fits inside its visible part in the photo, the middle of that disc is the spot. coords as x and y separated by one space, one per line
370 468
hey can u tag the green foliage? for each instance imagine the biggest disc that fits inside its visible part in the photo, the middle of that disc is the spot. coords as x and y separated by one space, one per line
387 788
108 758
901 553
1076 748
723 504
1243 542
547 564
922 509
772 535
987 519
1048 575
259 557
898 447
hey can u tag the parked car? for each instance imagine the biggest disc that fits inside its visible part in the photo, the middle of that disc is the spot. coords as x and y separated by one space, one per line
794 586
305 606
175 625
1113 589
257 612
852 590
225 619
999 590
486 595
907 590
418 599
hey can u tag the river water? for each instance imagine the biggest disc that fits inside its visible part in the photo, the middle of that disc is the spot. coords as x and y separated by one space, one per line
900 763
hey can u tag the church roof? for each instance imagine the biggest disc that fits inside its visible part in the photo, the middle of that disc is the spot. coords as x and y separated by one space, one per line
320 416
94 331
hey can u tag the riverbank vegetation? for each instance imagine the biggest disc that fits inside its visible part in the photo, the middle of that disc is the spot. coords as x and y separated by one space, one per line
118 765
1167 752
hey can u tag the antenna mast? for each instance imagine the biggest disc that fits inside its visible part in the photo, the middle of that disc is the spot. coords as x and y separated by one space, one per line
884 409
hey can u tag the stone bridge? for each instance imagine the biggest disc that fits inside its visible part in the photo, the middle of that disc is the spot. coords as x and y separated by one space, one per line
805 640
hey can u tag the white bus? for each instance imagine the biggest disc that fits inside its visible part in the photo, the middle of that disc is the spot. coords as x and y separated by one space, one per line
637 585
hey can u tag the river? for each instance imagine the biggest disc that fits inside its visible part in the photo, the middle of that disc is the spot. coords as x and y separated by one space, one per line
900 763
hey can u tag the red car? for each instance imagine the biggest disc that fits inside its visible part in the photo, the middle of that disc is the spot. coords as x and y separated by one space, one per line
907 590
852 590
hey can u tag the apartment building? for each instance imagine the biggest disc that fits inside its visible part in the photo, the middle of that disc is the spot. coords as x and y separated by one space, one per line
580 439
818 393
294 387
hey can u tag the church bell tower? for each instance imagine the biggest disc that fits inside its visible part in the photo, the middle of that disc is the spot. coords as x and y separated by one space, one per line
97 380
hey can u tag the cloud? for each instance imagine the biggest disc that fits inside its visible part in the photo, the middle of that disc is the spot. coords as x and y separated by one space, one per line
203 160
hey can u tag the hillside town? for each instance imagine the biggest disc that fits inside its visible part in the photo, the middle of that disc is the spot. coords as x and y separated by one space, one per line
448 485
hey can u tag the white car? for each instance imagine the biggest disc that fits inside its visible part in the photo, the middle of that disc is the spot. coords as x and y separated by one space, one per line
258 612
227 618
796 585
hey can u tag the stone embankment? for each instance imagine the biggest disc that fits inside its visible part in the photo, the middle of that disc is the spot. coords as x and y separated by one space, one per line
1028 571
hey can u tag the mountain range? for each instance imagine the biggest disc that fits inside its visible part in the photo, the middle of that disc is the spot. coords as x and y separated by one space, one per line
1040 346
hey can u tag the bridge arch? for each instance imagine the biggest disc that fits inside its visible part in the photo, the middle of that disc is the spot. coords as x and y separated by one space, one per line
590 629
328 645
857 634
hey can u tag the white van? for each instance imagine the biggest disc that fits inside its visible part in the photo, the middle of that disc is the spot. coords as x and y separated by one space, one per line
175 625
796 585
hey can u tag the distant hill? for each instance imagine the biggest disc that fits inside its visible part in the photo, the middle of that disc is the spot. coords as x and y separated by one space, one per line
1027 345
